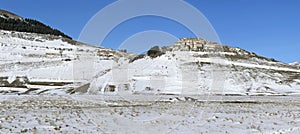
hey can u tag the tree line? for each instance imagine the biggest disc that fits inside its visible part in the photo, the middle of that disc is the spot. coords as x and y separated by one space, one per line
29 25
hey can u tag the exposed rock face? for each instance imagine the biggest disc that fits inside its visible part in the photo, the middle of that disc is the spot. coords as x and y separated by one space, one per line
196 44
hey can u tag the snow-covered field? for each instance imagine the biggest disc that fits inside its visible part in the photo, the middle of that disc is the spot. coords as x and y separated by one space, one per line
167 114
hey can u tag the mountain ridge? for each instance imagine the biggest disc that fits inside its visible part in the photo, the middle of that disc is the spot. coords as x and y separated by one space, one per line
8 14
13 22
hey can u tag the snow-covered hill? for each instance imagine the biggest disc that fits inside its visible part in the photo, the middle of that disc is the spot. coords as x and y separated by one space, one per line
196 66
35 63
46 64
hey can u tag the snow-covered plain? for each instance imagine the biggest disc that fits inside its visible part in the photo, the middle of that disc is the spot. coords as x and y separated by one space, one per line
169 114
52 85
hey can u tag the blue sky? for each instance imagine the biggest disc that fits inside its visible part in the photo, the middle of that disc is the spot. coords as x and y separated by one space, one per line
269 28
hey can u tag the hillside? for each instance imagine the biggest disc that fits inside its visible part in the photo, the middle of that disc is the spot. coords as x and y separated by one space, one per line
12 22
33 63
196 66
45 64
